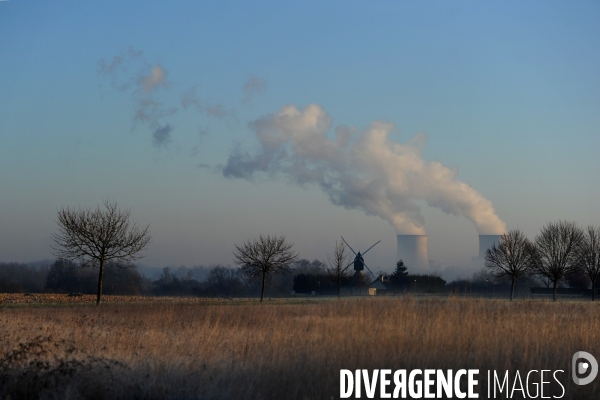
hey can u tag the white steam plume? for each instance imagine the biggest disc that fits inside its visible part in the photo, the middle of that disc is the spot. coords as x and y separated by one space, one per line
362 170
157 77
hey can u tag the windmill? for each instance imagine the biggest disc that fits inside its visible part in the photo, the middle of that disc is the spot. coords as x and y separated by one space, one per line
359 264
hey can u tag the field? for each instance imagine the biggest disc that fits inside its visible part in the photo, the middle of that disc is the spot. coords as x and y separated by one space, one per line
223 349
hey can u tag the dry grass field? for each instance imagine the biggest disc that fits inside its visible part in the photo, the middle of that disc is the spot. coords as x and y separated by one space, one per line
7 299
278 350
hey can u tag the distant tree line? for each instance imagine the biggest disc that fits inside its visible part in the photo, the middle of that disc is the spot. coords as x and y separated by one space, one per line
63 276
484 283
68 277
401 281
21 278
561 253
314 276
108 241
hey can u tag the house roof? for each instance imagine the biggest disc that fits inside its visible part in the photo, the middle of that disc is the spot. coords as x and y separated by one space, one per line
377 284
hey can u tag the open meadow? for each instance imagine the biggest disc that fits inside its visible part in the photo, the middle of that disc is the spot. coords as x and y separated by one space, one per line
281 349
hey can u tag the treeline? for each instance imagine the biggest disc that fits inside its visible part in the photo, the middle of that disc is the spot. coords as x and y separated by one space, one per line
315 278
63 276
485 283
218 281
66 277
561 252
21 278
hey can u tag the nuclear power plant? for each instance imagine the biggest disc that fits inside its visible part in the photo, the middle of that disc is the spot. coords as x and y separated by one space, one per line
486 242
412 249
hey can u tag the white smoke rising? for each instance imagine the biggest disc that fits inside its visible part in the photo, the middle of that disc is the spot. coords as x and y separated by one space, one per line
156 78
190 99
253 85
361 170
162 135
143 86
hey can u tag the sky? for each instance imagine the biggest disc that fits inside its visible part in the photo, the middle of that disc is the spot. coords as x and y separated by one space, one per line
215 122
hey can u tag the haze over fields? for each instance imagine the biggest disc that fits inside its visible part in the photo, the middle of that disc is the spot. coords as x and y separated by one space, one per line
216 122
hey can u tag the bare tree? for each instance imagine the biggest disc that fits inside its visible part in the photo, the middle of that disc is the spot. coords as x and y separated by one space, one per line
556 251
337 268
589 256
263 257
511 258
95 237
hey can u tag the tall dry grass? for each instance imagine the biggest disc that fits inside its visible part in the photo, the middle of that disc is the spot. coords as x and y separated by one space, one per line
279 351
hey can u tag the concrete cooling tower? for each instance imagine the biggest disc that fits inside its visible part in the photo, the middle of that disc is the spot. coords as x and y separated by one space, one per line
487 241
412 249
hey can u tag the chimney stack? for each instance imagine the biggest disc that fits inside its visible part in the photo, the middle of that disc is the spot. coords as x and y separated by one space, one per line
485 242
412 249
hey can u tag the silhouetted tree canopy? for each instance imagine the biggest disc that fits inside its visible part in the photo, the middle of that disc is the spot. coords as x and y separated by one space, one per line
96 237
338 268
224 282
399 278
588 255
266 256
67 277
556 251
64 276
426 283
22 278
513 257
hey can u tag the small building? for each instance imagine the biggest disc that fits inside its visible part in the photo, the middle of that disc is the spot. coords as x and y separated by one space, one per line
378 286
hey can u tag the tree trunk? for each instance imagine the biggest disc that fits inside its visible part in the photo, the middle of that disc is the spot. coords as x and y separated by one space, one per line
554 295
512 288
100 276
593 289
262 290
339 278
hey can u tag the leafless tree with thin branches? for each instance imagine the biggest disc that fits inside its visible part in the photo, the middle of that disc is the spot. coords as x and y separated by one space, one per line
511 258
261 258
337 268
556 251
589 256
96 237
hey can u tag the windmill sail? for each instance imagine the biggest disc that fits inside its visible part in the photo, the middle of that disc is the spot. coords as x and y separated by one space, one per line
359 263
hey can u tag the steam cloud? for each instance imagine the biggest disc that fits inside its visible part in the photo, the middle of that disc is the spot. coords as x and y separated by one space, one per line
147 84
162 135
143 87
253 85
156 78
360 170
111 69
190 99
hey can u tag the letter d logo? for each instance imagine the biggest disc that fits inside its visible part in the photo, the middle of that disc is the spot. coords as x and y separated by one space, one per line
583 367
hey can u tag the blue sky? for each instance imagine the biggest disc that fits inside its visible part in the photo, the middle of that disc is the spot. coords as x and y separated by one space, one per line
508 94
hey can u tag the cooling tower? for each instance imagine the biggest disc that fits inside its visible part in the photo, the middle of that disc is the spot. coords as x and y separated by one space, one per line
412 249
485 242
